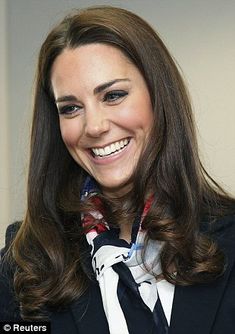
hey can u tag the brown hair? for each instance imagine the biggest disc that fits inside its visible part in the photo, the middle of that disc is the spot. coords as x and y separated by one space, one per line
49 249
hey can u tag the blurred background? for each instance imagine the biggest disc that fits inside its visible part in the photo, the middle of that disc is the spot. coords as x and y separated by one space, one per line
199 33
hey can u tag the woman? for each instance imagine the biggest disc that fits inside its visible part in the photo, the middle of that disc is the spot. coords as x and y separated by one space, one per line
125 232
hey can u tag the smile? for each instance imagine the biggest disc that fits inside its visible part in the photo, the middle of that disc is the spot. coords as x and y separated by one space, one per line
111 149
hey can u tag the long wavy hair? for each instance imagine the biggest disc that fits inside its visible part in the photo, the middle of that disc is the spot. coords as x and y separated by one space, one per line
49 249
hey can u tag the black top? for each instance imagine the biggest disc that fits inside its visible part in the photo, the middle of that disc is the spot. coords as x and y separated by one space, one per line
198 309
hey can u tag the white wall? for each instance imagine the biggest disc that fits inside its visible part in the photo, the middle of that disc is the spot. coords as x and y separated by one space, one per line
4 142
200 35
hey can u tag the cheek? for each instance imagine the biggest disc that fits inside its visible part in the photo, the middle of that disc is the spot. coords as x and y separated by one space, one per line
70 132
139 116
145 114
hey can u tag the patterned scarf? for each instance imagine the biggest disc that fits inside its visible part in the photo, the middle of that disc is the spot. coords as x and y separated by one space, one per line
113 259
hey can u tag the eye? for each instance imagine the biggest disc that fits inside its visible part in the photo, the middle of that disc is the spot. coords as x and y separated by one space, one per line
69 110
114 96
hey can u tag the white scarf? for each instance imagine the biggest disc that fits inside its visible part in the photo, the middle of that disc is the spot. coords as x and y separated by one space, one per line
106 256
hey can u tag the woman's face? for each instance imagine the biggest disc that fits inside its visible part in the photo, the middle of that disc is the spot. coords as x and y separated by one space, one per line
105 112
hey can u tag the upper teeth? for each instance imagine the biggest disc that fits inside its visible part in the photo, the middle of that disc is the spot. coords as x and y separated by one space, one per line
109 149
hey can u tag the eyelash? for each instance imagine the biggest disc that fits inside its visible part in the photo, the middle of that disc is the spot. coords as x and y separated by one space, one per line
111 97
68 109
114 96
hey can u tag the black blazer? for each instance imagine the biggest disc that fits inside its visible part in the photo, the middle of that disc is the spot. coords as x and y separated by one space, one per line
198 309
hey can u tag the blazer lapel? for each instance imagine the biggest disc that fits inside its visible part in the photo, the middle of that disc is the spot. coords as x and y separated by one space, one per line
88 312
194 307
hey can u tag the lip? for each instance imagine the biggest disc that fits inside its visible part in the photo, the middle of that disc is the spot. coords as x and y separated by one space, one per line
109 158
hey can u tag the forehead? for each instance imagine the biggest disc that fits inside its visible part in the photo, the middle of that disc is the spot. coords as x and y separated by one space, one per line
93 62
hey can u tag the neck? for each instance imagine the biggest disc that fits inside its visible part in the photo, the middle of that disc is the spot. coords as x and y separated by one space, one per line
125 232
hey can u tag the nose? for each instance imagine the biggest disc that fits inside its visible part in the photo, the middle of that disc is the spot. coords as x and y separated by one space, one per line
96 122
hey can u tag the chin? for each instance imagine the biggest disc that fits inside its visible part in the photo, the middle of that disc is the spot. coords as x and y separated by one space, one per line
115 189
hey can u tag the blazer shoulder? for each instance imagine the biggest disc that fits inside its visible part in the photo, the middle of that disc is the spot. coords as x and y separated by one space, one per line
219 227
225 227
11 232
9 310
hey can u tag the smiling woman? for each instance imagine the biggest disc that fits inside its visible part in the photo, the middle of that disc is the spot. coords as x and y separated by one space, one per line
108 119
125 231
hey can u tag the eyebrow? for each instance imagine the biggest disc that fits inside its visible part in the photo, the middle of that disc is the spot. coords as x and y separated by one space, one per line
97 90
108 84
66 98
